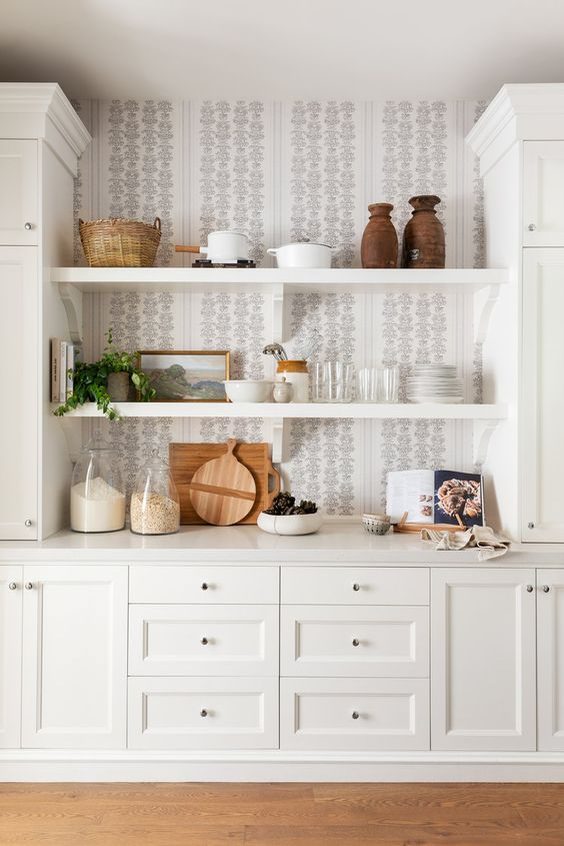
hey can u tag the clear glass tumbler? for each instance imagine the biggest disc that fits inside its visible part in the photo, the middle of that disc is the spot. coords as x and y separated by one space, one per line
388 384
332 381
367 384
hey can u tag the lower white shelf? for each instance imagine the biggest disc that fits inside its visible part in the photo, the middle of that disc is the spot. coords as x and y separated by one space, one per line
356 410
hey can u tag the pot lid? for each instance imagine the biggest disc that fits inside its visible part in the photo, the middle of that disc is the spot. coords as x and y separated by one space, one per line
305 244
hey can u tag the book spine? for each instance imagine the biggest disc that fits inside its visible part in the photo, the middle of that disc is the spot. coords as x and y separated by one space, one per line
55 369
70 367
62 371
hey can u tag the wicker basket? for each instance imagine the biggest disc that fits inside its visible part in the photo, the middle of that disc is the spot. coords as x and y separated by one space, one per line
116 242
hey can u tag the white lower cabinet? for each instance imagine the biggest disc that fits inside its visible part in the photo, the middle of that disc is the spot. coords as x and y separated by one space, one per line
74 681
354 714
550 660
483 659
203 713
11 607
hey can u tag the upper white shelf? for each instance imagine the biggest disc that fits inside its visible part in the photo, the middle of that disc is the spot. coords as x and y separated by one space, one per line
349 280
301 409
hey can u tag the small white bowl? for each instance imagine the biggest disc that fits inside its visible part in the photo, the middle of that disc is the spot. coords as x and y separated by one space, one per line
248 390
289 524
376 524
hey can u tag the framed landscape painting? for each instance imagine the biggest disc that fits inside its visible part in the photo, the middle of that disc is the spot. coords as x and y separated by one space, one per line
186 375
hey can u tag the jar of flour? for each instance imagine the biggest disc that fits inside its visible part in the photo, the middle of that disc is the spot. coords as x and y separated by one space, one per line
97 496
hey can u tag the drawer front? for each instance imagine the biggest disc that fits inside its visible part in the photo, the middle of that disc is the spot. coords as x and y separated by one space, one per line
204 585
202 713
180 640
355 586
344 641
354 714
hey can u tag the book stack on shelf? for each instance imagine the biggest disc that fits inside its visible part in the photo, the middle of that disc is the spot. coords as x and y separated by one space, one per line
62 364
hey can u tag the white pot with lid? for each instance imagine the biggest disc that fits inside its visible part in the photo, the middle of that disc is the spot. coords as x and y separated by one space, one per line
302 254
226 247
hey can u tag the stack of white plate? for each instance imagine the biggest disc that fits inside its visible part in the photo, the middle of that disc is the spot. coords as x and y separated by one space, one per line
434 383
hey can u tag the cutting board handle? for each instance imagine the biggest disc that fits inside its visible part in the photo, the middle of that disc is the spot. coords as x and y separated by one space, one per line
231 444
275 476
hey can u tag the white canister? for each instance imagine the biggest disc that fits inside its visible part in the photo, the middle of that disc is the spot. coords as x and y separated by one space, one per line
296 373
226 247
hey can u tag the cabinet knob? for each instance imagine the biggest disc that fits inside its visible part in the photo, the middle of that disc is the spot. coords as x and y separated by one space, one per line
530 525
355 715
356 586
532 227
530 588
28 523
205 586
28 226
28 585
204 641
355 641
546 588
12 586
203 713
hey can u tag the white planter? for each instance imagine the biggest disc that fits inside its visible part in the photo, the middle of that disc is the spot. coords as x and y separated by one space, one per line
292 524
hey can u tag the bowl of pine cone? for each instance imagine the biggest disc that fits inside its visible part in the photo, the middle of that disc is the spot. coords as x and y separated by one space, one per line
287 517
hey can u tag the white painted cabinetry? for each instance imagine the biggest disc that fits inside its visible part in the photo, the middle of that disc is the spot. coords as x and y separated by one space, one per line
483 659
19 192
10 655
550 660
543 189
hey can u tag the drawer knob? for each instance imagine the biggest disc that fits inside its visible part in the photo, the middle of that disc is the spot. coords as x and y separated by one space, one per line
204 641
355 715
530 588
29 586
546 588
203 713
12 586
356 586
28 226
205 586
355 641
532 227
28 523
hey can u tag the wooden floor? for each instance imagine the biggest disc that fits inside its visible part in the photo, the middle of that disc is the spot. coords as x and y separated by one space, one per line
293 814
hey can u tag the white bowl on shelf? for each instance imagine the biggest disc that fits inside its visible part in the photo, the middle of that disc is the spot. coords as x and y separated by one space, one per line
248 390
289 524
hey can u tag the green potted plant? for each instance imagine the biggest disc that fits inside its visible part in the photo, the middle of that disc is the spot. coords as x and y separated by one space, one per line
90 381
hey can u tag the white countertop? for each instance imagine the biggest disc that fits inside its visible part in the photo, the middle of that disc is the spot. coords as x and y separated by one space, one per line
340 543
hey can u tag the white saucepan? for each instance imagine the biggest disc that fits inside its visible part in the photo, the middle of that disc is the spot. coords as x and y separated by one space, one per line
224 247
304 254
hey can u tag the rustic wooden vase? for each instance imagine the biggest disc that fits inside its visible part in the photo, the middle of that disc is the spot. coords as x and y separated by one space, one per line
424 236
379 246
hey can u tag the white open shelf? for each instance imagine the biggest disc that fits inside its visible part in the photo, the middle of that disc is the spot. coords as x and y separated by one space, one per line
355 410
333 280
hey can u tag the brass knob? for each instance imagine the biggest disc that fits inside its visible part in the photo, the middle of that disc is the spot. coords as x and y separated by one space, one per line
546 588
12 586
204 641
203 713
355 641
28 226
356 586
355 715
530 588
205 585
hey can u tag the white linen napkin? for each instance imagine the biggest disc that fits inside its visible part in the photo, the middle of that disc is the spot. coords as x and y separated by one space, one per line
488 543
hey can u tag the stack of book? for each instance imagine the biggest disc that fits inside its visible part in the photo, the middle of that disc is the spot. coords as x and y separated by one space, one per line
62 364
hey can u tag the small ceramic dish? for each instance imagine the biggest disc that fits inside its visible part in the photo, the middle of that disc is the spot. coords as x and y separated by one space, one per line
248 390
376 524
290 524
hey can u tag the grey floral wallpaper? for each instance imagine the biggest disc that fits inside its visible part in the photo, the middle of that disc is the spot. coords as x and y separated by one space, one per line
280 172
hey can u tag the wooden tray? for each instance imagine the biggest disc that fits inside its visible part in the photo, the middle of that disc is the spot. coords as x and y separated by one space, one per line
185 459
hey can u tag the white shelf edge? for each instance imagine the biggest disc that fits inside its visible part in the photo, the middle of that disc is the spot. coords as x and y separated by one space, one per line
359 411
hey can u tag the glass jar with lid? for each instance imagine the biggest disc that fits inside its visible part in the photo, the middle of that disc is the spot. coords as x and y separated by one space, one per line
155 504
97 495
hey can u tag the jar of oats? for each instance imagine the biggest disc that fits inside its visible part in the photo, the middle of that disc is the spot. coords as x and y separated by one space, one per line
155 505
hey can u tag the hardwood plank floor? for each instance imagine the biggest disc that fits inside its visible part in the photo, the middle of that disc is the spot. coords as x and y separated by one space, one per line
282 814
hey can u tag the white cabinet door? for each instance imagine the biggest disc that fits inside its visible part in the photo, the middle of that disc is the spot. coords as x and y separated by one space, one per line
10 655
354 714
483 659
542 445
18 377
75 656
550 659
18 192
543 189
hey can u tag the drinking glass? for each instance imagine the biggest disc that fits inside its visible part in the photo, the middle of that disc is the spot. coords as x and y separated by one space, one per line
367 384
388 384
332 381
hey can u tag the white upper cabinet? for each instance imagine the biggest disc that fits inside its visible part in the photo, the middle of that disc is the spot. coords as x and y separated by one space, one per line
543 193
550 660
542 449
18 192
483 660
18 371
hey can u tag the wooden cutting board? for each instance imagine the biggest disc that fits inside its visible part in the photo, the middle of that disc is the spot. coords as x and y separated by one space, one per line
222 490
186 459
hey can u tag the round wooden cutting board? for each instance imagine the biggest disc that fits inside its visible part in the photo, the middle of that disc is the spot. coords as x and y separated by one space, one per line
223 491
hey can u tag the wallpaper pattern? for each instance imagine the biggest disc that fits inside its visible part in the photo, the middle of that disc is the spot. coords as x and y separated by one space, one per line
280 172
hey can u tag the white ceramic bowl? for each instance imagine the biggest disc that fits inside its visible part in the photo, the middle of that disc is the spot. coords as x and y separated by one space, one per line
291 524
302 255
248 390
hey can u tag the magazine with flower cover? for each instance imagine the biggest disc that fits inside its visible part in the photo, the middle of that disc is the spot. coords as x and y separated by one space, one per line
458 497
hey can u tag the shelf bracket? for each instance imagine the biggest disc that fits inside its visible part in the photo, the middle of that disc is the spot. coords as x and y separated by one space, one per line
72 301
485 304
277 440
278 312
483 431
